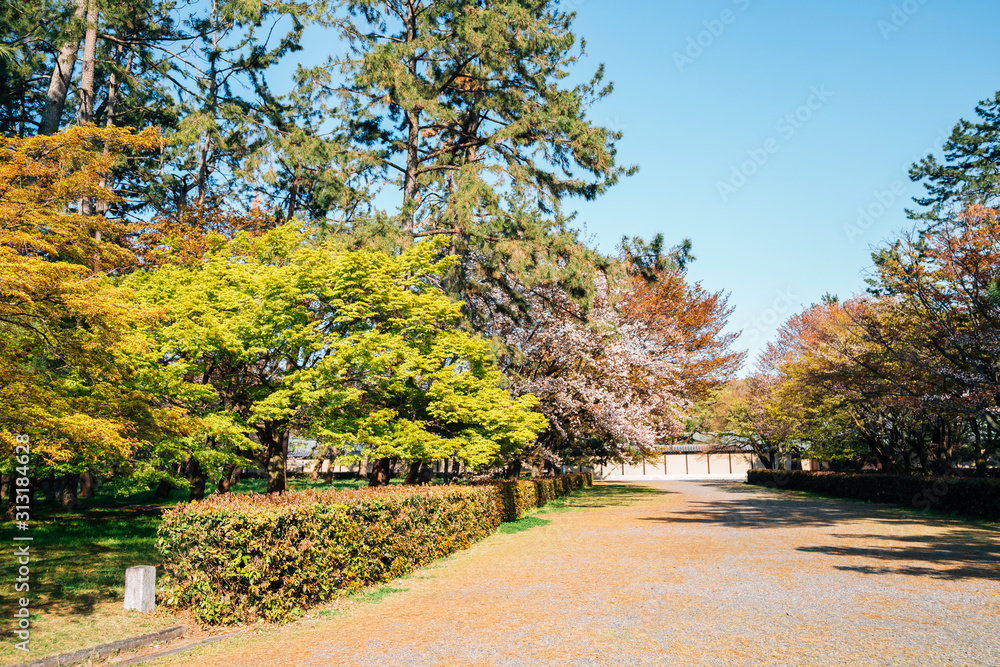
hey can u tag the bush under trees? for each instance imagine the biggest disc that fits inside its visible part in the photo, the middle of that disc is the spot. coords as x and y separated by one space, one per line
518 498
237 558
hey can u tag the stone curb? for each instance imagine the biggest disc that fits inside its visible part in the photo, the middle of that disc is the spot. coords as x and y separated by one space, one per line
174 651
106 650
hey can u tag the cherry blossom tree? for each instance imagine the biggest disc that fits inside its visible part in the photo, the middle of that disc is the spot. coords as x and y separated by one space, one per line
616 379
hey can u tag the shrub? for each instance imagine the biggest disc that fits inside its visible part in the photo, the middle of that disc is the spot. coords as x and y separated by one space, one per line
518 498
244 557
973 496
545 488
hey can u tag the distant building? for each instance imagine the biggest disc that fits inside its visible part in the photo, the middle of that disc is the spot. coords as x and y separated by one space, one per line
706 457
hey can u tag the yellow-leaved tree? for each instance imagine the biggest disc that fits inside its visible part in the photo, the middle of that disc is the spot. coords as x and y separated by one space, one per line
66 381
285 333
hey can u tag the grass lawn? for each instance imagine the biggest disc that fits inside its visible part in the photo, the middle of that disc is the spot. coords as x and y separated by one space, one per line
78 563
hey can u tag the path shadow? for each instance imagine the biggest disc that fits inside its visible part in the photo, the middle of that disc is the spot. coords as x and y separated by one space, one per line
955 554
949 549
766 512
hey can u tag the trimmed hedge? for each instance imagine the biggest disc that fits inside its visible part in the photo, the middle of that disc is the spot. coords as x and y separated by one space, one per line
975 496
238 558
519 497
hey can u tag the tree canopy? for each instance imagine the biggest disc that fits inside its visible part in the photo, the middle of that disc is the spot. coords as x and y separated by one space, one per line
356 346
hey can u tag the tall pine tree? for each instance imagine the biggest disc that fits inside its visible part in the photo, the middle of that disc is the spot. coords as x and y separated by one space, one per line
462 105
970 174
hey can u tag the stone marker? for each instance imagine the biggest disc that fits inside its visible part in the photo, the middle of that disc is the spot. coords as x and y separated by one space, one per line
140 588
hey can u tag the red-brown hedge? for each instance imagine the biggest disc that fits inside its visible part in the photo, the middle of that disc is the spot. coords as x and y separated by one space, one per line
519 497
239 558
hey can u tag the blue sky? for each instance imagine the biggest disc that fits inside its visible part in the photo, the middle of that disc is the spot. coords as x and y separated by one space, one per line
703 88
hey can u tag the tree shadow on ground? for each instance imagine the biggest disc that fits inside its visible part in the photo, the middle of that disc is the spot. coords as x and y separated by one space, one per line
79 558
949 549
955 554
612 495
767 513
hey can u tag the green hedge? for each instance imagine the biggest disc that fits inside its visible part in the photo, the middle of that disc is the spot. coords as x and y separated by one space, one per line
519 497
974 496
244 557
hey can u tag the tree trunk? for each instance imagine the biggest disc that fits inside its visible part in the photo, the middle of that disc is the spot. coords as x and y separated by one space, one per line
230 478
6 485
68 498
102 205
293 196
514 469
413 138
203 171
89 65
87 483
276 457
62 74
223 486
980 450
10 493
49 489
204 168
197 479
922 456
381 472
86 114
323 465
413 474
163 490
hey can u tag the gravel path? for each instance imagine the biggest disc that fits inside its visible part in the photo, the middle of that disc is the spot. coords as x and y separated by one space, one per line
678 573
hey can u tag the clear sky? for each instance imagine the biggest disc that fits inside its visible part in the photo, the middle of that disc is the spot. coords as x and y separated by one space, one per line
703 88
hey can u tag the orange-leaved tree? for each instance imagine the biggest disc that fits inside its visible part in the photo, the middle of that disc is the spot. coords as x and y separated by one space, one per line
688 321
65 378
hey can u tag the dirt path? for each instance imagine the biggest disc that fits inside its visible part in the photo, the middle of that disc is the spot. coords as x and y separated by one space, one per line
681 573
